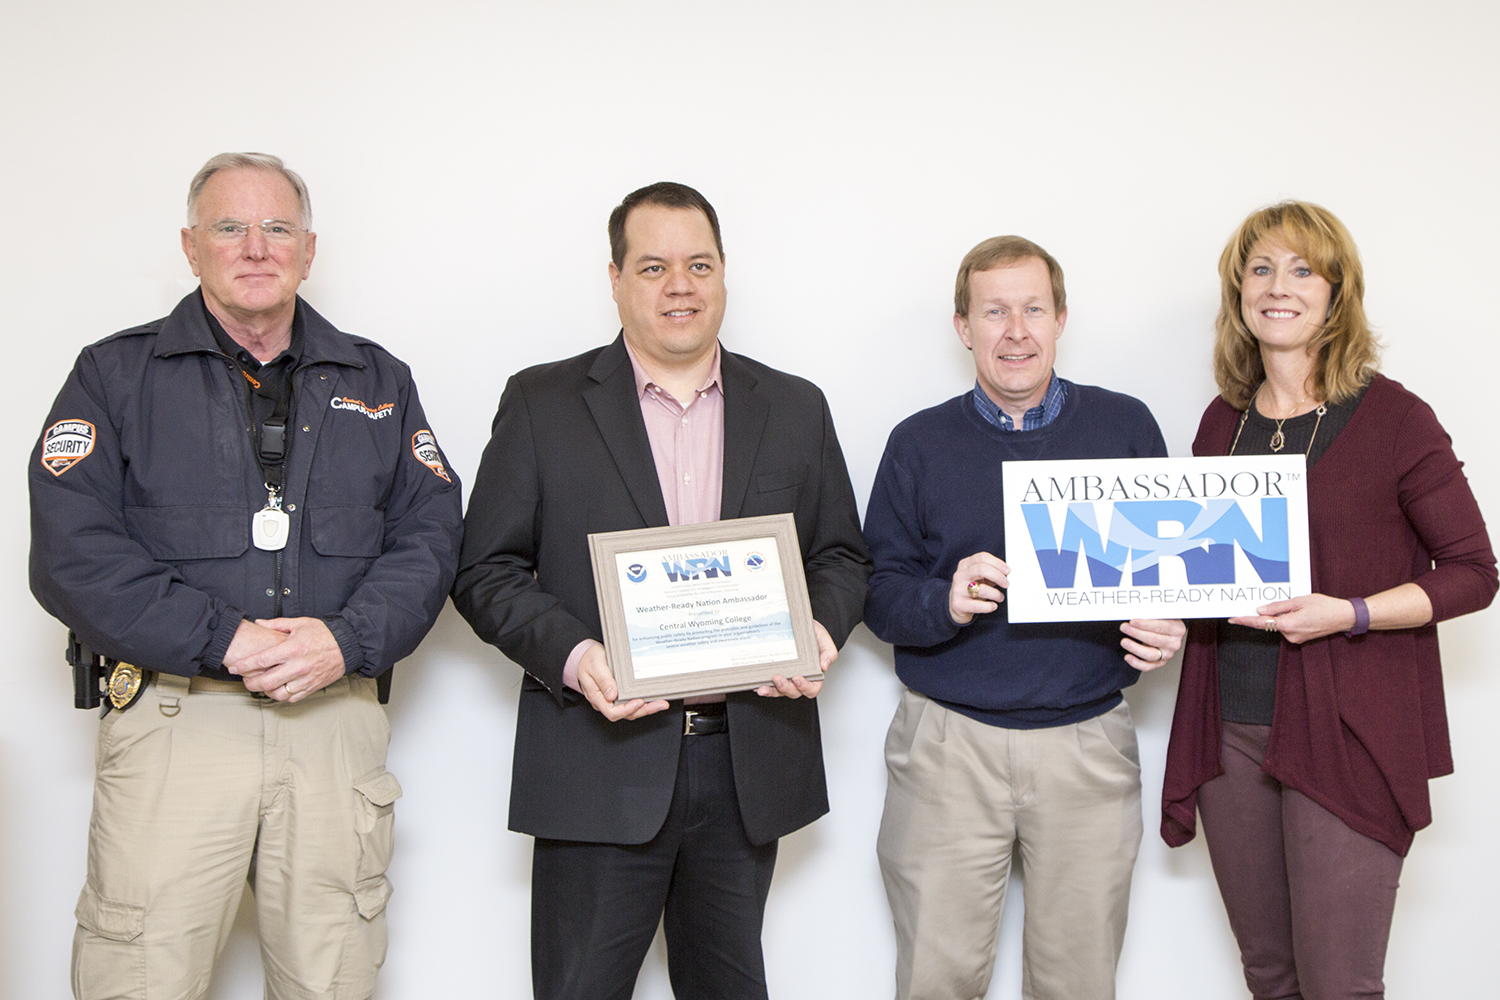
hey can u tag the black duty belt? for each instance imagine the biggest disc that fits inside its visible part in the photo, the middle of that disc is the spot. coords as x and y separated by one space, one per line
102 680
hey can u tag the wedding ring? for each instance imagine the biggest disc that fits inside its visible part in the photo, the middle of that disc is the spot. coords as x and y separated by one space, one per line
289 690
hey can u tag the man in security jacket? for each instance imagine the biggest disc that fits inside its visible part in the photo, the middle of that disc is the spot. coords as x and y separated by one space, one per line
244 512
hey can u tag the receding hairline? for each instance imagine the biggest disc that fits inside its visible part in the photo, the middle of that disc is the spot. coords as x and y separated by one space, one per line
666 194
713 255
249 161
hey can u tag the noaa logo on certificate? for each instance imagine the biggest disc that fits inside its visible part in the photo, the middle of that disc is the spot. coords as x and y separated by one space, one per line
635 572
755 562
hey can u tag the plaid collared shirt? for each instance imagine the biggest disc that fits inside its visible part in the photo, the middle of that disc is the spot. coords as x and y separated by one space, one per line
1037 416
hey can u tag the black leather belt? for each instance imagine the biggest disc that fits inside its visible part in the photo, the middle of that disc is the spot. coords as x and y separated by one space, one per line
705 720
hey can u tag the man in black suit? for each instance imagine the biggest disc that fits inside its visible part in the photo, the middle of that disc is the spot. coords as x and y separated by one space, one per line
645 808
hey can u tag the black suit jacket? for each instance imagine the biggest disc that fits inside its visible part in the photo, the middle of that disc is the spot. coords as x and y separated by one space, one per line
569 456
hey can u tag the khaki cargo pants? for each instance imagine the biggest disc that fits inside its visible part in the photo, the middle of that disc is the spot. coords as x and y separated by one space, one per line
199 793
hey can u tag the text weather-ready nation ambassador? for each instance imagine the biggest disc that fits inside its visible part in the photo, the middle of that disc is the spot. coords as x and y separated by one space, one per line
247 509
645 809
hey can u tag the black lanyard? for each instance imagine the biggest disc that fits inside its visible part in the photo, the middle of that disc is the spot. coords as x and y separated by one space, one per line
271 439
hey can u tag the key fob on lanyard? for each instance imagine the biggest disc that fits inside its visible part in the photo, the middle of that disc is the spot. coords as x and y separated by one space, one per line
269 525
268 529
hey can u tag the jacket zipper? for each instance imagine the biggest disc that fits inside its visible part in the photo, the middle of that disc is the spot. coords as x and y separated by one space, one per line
234 370
286 454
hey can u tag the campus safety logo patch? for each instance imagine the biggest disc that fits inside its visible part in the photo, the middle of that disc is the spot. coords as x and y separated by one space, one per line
424 446
65 444
377 412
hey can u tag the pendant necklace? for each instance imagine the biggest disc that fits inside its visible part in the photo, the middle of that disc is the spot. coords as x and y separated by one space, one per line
1278 439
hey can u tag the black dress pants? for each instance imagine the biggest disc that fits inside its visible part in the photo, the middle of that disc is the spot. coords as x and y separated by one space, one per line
595 907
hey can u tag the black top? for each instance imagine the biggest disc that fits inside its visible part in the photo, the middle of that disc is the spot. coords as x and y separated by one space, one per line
1247 657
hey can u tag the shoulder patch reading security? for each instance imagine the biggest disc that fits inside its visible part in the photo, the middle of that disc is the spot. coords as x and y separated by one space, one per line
424 446
65 444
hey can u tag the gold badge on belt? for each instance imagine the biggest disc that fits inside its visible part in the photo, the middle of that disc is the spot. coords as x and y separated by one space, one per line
124 685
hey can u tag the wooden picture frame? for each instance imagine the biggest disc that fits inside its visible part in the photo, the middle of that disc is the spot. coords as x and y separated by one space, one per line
704 608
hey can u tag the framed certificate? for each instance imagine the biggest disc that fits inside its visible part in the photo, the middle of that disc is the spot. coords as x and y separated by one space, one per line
704 608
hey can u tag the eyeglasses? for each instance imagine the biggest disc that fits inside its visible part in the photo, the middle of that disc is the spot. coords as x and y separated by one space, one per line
228 231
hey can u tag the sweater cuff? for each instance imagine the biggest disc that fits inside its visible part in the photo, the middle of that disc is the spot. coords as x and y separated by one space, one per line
223 635
343 634
935 597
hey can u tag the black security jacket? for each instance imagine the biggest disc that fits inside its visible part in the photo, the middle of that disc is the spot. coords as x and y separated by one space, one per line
145 479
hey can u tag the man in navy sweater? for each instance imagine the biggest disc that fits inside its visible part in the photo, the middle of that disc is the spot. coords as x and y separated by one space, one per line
1010 737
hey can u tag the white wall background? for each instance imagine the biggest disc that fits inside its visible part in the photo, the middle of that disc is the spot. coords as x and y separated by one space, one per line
463 157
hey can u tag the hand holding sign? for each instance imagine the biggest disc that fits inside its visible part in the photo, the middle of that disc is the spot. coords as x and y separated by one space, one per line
1150 642
978 587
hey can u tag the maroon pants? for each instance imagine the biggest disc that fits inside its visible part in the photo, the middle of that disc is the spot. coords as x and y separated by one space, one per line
1309 900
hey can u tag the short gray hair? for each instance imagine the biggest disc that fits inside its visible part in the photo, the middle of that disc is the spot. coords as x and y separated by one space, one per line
247 161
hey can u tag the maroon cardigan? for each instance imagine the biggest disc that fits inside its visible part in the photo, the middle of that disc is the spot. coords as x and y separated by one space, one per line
1359 725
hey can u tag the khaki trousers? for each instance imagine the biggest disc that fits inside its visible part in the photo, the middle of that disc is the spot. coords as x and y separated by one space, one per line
198 793
962 799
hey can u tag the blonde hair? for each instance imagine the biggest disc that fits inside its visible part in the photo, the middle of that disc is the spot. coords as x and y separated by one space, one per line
1346 354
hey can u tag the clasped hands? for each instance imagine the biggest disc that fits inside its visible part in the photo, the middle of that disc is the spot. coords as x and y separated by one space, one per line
978 588
596 682
285 658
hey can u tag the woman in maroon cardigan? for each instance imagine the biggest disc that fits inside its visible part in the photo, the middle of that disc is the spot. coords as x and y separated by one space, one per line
1305 735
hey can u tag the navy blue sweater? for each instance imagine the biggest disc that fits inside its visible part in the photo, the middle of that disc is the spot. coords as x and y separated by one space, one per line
937 499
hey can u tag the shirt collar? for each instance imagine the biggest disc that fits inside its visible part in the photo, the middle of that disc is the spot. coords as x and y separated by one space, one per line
643 382
235 350
1037 417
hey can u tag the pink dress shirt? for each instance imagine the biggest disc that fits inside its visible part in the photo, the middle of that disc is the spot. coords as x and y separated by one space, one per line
687 442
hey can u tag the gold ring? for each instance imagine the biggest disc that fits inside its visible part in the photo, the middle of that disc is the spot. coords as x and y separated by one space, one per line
1270 625
974 589
289 690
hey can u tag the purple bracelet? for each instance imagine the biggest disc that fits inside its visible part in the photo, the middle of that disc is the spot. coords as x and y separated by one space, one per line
1361 617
